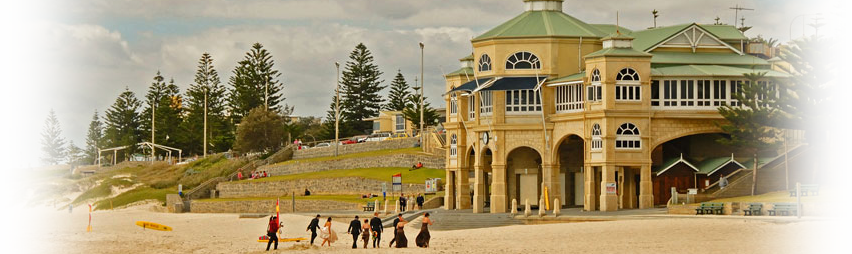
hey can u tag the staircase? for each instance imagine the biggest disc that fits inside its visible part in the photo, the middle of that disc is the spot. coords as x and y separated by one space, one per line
771 177
464 219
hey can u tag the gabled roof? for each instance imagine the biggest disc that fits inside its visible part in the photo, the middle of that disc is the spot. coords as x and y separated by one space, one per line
671 162
711 71
647 39
541 24
711 165
704 58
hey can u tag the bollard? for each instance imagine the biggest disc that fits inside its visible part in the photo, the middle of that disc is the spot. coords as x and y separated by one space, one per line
386 206
396 207
556 205
376 206
514 207
527 210
541 209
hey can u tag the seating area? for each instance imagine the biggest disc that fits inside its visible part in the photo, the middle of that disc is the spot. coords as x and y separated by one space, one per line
753 209
783 209
806 190
710 208
370 207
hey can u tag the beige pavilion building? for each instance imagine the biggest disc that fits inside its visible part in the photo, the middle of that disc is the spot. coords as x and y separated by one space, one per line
595 114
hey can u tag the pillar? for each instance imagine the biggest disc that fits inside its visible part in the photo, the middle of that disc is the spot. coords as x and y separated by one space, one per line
479 189
609 201
550 178
498 189
449 198
589 198
463 191
646 188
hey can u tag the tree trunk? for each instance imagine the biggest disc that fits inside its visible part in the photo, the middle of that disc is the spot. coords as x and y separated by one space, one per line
754 175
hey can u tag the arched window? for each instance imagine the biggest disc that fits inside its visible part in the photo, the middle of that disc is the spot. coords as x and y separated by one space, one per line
627 74
594 91
596 76
522 60
453 146
627 136
597 142
484 63
453 103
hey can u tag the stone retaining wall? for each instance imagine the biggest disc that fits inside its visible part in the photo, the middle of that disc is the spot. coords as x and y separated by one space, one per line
809 209
355 148
342 185
268 206
384 161
435 202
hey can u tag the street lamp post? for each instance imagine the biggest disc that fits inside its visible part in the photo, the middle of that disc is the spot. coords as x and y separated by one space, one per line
206 90
153 110
337 109
421 95
803 23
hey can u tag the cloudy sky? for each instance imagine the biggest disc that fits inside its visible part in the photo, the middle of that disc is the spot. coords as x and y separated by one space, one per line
77 56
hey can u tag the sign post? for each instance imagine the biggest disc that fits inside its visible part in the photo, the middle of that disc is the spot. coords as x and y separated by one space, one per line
397 182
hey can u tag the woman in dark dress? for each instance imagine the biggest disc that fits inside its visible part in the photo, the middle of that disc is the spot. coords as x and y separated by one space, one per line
401 240
423 237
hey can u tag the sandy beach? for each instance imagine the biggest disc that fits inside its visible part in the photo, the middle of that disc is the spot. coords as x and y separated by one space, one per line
116 232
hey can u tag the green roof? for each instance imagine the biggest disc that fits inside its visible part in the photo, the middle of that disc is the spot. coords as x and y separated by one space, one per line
542 23
704 58
572 77
617 52
712 71
710 165
671 162
462 71
610 28
467 58
725 32
646 39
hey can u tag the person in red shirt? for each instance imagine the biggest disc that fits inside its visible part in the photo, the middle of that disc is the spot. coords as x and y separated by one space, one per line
240 175
271 232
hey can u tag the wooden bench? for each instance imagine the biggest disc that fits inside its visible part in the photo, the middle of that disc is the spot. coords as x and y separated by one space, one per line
370 207
783 209
806 189
710 208
753 209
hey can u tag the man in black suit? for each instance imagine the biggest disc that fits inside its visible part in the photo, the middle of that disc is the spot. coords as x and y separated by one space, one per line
402 203
420 201
313 228
355 230
377 227
395 222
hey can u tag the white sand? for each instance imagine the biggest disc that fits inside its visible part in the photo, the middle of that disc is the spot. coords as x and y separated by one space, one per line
116 232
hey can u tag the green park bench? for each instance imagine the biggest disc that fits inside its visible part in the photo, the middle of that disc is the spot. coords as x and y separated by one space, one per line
753 209
370 207
783 209
807 190
710 208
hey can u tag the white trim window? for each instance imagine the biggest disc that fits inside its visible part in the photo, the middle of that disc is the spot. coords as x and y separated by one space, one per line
399 123
704 93
594 91
627 137
454 102
453 146
486 106
736 88
471 106
569 98
519 101
707 94
522 60
597 142
627 85
484 63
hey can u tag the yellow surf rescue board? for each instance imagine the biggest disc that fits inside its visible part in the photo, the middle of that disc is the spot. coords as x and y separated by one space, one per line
154 226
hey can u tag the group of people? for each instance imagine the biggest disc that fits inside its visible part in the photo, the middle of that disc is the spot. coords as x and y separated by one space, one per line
298 143
370 227
254 175
403 201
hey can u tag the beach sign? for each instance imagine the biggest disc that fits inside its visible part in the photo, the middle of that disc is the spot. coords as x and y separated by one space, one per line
397 182
154 226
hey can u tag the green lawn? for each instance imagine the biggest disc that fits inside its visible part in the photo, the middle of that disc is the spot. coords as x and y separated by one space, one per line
138 194
411 150
418 176
772 197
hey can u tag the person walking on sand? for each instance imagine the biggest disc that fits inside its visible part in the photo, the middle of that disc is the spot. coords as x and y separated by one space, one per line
376 227
327 234
271 231
423 237
365 232
313 228
355 230
395 232
401 240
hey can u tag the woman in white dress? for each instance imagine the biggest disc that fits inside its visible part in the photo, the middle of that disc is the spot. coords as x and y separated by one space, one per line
327 234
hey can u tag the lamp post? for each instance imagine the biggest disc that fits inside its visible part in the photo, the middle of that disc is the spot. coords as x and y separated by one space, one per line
206 90
153 109
337 109
803 23
421 95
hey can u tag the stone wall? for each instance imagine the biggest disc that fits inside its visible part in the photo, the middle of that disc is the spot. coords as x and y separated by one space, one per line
435 202
268 206
343 185
174 203
355 148
392 160
840 156
809 209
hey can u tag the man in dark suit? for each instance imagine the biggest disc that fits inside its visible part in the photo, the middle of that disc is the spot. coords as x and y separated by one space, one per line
377 227
355 230
420 201
402 203
395 222
313 228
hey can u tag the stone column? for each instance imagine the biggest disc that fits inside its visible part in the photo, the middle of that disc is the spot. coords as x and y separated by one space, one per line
609 202
498 188
589 196
550 178
646 188
479 190
463 191
449 198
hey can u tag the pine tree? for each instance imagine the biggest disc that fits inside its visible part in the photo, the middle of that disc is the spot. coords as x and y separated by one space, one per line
94 137
412 112
361 85
344 126
122 123
749 125
220 132
250 81
52 143
166 99
815 96
398 96
75 155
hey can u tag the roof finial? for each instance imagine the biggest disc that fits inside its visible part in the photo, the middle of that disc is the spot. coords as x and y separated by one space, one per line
681 156
617 25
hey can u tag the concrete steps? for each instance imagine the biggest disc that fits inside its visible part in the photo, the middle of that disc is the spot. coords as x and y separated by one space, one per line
464 219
